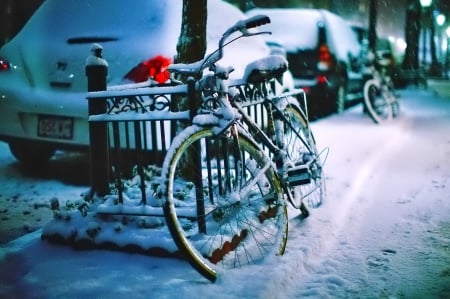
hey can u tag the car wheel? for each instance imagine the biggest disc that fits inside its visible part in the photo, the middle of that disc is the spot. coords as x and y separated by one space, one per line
31 153
340 99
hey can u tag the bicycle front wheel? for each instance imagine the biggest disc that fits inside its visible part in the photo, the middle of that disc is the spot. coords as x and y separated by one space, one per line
224 205
377 102
301 149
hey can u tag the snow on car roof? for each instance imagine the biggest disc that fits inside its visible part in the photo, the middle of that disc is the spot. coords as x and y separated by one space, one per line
83 17
296 28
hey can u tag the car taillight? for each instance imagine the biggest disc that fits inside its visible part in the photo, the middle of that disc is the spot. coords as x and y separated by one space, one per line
306 89
4 65
325 58
154 68
322 79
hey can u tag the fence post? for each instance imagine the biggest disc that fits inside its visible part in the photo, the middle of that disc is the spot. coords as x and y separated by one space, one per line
96 72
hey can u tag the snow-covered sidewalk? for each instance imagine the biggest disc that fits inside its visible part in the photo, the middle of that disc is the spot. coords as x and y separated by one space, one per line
383 231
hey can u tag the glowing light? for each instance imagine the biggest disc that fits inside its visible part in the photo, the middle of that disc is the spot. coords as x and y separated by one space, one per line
400 44
440 19
425 3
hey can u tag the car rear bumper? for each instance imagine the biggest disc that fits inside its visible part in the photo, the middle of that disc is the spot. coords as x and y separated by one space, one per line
58 118
61 121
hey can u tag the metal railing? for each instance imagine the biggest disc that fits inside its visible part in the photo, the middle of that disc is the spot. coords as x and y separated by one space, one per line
139 126
131 126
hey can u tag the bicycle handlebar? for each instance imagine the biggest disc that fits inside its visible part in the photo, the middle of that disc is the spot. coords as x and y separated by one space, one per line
210 60
256 21
249 23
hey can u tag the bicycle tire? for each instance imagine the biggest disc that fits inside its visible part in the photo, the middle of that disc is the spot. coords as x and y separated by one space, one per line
395 104
376 101
395 108
246 218
301 148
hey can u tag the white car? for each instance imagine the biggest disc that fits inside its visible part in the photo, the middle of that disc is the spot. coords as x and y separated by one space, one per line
43 86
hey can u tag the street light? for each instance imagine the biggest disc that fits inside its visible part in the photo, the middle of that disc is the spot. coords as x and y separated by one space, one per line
440 19
425 3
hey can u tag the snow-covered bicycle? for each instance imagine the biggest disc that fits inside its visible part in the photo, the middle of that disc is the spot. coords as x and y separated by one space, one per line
228 175
380 99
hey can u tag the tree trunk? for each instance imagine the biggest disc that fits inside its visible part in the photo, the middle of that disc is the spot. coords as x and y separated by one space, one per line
412 30
435 67
373 25
191 44
191 47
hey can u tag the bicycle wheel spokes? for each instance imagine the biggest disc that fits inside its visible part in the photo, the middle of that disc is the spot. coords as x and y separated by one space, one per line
395 106
301 149
234 214
378 102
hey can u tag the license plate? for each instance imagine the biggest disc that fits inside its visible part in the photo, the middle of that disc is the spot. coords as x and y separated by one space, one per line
58 127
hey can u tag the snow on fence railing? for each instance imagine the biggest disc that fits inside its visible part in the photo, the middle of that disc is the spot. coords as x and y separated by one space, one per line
131 126
140 124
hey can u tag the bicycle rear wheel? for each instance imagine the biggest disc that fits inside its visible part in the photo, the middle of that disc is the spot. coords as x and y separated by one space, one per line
224 205
395 104
301 149
395 108
378 104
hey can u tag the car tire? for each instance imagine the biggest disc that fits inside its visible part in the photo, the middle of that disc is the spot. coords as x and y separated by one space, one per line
31 153
339 99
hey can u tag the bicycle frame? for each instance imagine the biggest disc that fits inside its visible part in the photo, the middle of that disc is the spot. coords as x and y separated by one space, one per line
292 175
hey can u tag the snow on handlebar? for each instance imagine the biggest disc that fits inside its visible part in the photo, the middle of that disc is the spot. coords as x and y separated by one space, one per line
249 23
209 61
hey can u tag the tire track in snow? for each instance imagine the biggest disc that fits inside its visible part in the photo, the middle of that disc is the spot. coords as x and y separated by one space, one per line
342 211
317 238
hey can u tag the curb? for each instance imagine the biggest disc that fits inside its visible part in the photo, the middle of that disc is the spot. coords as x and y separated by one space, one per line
440 87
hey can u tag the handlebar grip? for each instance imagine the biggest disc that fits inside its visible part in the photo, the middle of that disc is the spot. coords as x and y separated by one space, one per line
256 21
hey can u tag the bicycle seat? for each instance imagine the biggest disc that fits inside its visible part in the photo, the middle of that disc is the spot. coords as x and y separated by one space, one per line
384 62
266 68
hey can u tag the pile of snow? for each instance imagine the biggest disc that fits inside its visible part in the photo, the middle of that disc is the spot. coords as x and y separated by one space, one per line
107 223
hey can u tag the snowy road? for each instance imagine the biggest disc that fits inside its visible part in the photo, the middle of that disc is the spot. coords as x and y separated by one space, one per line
383 231
387 215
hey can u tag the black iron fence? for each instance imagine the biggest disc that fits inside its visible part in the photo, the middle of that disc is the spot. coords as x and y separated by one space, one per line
132 126
139 124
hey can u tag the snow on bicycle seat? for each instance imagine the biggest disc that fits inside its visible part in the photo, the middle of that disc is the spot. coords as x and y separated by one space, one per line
266 68
383 62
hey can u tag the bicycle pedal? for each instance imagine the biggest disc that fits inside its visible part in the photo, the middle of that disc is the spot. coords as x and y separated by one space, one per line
299 175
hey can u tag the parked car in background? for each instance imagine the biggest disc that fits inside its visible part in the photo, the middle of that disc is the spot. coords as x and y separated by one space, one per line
323 54
43 86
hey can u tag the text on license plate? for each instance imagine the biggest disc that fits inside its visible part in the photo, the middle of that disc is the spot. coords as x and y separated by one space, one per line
52 126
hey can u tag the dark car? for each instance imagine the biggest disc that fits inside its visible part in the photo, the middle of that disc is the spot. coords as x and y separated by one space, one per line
323 52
